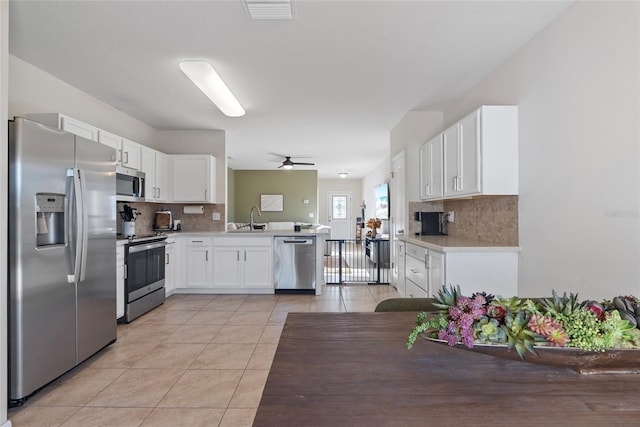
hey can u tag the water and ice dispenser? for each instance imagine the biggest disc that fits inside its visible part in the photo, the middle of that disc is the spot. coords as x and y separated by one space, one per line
49 219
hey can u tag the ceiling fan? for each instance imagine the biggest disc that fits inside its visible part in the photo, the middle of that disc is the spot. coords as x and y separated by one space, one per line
288 163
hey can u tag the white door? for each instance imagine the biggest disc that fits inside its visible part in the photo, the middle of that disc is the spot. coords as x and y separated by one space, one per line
339 214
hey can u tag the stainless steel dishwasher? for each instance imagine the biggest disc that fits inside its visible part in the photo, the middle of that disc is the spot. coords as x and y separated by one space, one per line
295 264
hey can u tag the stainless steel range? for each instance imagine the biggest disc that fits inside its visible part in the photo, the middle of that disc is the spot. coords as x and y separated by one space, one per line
144 278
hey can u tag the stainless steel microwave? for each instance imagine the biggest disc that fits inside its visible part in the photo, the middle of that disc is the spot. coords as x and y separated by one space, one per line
129 185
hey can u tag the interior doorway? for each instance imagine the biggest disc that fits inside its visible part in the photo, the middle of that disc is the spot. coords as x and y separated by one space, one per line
340 215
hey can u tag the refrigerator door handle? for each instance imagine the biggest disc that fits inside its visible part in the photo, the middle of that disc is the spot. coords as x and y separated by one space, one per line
76 227
74 218
83 225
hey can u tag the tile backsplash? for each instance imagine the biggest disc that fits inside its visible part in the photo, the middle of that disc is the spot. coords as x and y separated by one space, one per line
489 219
189 222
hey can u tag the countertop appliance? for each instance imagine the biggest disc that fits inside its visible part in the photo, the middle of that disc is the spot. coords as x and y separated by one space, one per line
431 223
129 184
163 221
62 253
144 275
295 264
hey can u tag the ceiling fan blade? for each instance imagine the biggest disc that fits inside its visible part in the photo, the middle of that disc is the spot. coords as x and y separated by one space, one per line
303 163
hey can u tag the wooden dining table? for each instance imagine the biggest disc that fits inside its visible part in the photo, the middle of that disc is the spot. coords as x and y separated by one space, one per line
353 369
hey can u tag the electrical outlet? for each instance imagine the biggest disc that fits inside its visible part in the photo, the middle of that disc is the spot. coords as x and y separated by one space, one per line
216 216
450 216
311 215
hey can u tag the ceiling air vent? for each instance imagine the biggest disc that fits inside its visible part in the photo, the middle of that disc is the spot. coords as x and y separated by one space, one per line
269 9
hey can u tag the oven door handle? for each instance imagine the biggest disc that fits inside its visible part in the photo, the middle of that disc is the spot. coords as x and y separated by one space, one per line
139 248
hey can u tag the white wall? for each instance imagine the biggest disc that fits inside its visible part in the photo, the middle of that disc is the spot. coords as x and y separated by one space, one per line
415 128
577 88
379 175
33 90
352 185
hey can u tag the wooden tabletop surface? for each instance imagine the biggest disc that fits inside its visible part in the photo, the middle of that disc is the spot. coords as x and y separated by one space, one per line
353 369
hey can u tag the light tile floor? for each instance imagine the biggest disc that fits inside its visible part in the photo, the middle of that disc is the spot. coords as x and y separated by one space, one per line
197 360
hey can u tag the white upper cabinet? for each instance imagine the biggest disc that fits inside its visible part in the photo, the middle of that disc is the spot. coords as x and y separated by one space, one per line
162 177
66 123
128 152
480 153
193 178
154 164
112 140
431 169
131 153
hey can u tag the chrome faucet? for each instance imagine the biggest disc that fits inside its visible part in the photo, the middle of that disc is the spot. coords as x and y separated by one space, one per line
251 216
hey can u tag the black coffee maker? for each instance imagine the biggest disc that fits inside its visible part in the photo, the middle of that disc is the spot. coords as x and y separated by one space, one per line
432 223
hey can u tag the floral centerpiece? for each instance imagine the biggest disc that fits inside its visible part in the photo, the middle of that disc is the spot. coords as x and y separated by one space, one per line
374 224
524 324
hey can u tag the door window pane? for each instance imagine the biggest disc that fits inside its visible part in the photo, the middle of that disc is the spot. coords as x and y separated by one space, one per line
339 207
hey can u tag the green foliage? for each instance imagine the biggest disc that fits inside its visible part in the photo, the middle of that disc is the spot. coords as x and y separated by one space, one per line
513 304
561 306
423 325
489 331
447 297
518 336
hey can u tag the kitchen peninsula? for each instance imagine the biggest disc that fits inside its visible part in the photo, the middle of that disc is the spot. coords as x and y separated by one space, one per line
473 265
232 262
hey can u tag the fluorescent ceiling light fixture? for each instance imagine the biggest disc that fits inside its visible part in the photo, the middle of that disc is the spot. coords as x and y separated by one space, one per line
343 175
209 82
269 9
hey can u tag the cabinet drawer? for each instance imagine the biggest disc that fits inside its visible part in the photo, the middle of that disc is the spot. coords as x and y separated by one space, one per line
416 271
242 241
414 291
198 241
416 251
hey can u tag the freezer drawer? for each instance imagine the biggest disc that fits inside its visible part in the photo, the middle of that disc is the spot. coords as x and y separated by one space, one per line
295 264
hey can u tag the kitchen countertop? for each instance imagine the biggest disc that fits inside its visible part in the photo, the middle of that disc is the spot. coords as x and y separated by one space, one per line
245 233
456 244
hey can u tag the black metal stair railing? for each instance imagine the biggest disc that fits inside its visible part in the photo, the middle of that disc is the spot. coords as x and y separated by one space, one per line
356 261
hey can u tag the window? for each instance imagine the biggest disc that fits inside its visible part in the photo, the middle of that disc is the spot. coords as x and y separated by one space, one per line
339 209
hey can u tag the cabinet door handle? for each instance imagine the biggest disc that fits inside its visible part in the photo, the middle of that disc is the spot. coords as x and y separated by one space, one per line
206 255
119 156
238 256
196 241
126 155
205 194
166 261
460 183
245 256
126 271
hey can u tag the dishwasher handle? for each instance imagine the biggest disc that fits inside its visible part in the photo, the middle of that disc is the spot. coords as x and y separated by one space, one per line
298 242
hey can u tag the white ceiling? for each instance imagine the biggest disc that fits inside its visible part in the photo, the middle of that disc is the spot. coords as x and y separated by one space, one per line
328 85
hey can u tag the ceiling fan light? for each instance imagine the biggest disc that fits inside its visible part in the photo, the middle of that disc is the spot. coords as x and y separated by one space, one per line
209 82
343 175
287 166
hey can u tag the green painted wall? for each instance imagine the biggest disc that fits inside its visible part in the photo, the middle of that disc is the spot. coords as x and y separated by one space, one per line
231 190
295 186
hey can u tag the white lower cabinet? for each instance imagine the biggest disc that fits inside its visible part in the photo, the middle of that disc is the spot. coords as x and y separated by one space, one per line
243 264
120 272
491 270
399 276
423 271
199 264
170 266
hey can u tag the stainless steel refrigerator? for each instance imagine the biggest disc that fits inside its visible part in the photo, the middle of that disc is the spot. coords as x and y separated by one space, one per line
62 249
